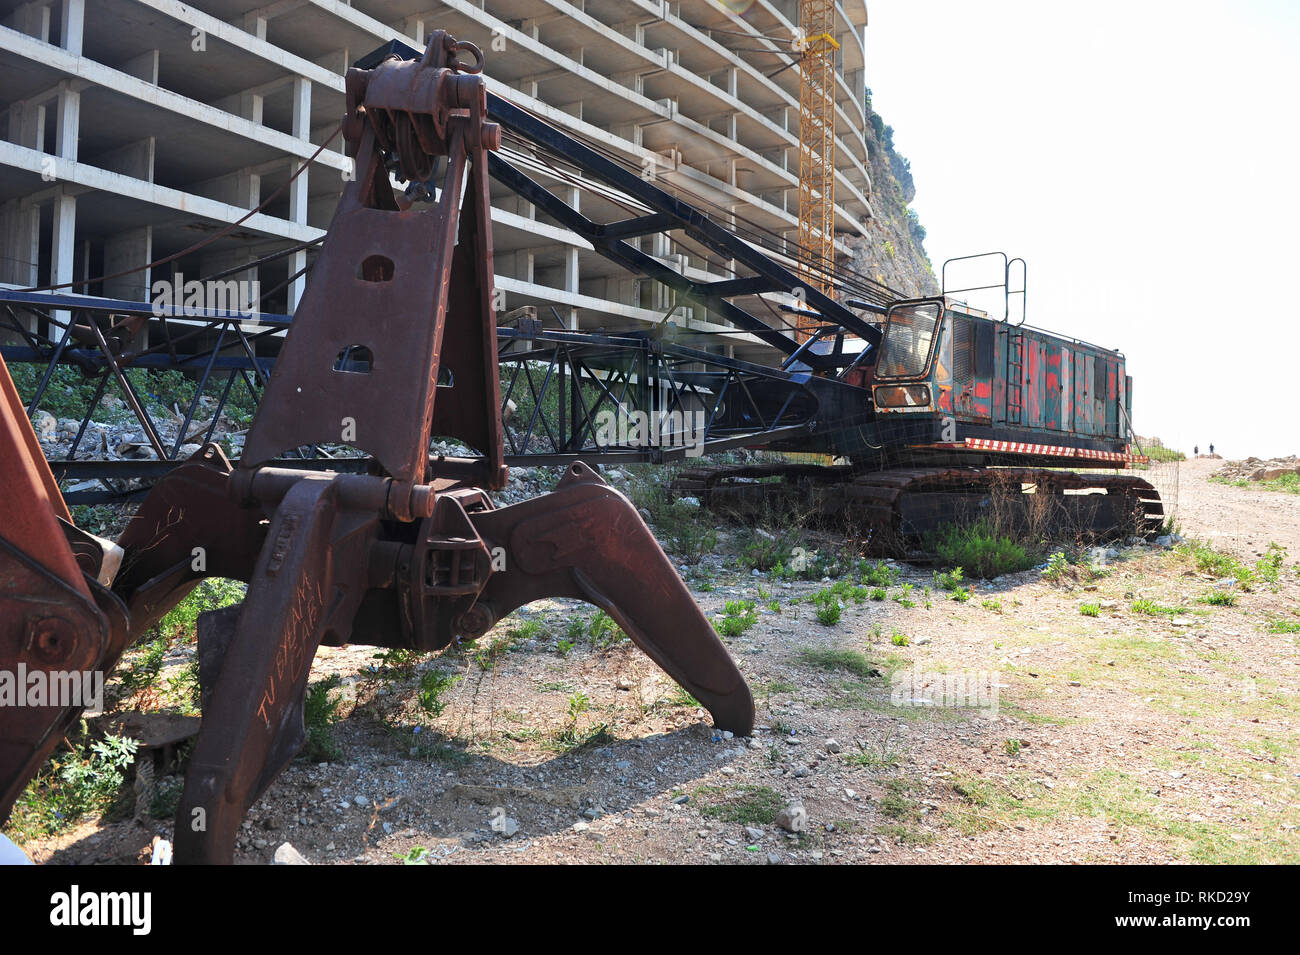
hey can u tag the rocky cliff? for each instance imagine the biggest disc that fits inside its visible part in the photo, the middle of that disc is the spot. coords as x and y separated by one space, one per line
892 253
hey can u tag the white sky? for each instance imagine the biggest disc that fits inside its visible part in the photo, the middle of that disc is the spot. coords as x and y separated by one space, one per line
1144 158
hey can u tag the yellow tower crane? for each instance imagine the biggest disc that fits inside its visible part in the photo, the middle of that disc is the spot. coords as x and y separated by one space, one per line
816 46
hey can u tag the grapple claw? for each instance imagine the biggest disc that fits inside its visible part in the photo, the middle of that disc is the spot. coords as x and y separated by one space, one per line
587 540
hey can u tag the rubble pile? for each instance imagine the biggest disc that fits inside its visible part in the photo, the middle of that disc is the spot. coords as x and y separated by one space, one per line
1259 469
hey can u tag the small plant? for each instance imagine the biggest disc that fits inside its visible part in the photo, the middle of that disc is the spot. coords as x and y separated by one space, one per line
416 855
878 574
948 580
579 703
487 654
1281 625
738 616
877 593
1056 567
185 687
429 696
992 603
1220 598
763 552
570 739
681 697
85 779
904 595
603 631
564 646
320 713
166 797
1013 747
143 671
1269 567
1090 610
899 639
885 754
961 594
395 661
828 614
577 630
1220 564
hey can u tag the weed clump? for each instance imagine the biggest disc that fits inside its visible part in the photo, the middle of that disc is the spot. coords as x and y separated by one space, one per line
981 549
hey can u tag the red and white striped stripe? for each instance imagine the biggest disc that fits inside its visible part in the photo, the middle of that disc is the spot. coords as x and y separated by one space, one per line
1052 450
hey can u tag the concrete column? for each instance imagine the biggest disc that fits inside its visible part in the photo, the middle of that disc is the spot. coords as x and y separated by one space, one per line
134 159
144 66
27 125
128 250
250 107
32 19
660 248
414 27
336 60
20 227
298 188
573 197
63 247
214 262
69 121
242 188
74 23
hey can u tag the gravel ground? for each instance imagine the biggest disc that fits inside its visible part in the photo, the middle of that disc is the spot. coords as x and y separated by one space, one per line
1122 737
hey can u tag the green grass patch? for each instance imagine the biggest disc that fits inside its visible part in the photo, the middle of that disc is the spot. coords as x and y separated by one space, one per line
746 805
1149 608
850 661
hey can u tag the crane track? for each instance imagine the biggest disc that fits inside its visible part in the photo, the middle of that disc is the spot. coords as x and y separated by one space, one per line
896 507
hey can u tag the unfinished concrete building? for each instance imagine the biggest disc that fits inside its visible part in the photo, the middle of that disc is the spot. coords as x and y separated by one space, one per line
133 128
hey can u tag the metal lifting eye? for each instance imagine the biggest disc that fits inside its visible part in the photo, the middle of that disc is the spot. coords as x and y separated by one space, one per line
466 46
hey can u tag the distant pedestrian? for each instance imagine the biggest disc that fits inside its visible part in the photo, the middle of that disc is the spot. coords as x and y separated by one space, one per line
1196 450
1211 449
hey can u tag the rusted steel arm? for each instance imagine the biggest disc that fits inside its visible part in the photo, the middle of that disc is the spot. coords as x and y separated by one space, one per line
308 581
586 540
58 624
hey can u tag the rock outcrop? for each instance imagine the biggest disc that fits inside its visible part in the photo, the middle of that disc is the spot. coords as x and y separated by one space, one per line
893 252
1259 469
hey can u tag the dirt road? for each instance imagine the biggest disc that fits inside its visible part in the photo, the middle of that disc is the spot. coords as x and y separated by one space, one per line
1241 519
1111 717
